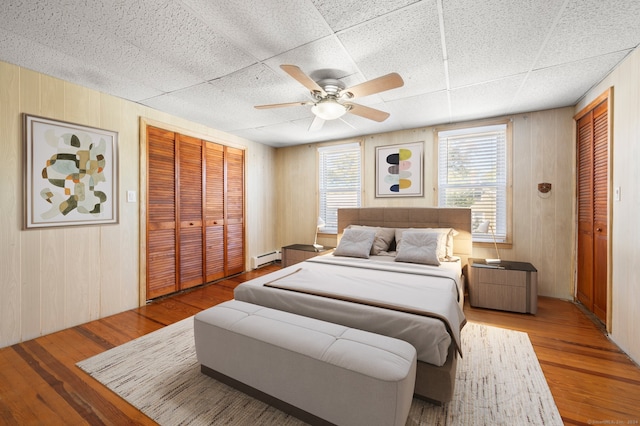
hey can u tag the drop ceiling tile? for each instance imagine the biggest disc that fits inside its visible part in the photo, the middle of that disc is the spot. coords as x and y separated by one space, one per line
422 110
333 129
282 134
341 14
489 99
263 28
166 31
289 131
34 56
229 101
34 19
174 34
493 39
589 28
563 85
408 41
324 58
181 104
99 49
366 126
260 85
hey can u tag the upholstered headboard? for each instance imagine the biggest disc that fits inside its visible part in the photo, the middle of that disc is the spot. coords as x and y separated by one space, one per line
414 217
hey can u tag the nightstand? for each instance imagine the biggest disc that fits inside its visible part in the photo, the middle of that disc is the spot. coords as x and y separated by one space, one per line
296 253
507 286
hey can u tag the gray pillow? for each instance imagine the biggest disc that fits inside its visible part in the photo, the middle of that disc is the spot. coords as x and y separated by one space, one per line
419 247
383 239
445 246
355 242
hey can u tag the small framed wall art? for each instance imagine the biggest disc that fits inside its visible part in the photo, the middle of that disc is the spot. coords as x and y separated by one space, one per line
399 170
71 174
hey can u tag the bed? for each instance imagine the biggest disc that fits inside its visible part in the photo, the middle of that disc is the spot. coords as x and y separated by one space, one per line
418 303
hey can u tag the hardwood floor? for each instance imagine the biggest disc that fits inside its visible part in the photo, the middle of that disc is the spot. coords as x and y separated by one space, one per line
592 381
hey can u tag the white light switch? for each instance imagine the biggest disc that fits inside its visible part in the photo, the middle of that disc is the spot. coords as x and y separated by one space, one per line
616 193
131 196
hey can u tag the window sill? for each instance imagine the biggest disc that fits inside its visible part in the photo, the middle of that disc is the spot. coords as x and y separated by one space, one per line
485 244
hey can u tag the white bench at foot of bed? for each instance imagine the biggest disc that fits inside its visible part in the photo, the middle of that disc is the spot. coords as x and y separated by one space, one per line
315 370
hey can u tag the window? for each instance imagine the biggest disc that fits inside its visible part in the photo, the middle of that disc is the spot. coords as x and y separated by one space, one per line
473 172
339 181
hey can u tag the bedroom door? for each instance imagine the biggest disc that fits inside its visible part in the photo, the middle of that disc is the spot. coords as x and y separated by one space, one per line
593 207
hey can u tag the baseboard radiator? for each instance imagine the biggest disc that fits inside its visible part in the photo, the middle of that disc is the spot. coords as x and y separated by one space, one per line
265 259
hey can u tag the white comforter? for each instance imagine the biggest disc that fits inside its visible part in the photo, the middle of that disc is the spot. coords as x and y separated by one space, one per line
429 315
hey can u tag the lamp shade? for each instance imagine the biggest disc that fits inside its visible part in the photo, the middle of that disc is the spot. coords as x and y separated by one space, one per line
319 224
329 109
483 228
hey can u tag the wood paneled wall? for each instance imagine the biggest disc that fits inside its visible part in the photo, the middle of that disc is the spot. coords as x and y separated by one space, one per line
543 151
51 279
625 227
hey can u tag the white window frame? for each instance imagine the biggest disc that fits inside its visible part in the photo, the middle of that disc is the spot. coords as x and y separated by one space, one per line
347 194
487 186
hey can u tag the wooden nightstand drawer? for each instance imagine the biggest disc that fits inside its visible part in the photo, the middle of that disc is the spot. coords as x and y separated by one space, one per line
502 277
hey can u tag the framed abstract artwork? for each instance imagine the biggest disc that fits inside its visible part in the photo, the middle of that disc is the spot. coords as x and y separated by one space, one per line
399 170
71 174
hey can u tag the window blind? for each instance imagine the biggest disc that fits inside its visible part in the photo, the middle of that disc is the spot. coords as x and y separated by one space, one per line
339 181
472 172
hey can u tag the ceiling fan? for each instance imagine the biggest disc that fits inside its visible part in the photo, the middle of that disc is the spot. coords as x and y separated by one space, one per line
331 100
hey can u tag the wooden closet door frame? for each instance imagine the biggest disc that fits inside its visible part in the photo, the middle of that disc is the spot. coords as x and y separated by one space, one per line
142 194
606 96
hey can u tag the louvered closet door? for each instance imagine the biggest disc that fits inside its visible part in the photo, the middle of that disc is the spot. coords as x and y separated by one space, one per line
593 210
214 211
161 218
235 210
585 211
600 208
195 212
190 212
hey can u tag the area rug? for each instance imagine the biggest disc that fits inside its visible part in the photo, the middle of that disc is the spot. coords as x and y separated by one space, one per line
499 382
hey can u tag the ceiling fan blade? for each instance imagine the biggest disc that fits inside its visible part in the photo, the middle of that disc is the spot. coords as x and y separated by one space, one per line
367 112
287 104
302 78
316 124
377 85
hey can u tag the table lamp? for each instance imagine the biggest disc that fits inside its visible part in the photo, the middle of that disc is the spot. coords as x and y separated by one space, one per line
484 228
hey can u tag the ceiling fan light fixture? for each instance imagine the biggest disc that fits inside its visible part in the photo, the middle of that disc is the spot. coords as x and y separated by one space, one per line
329 109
